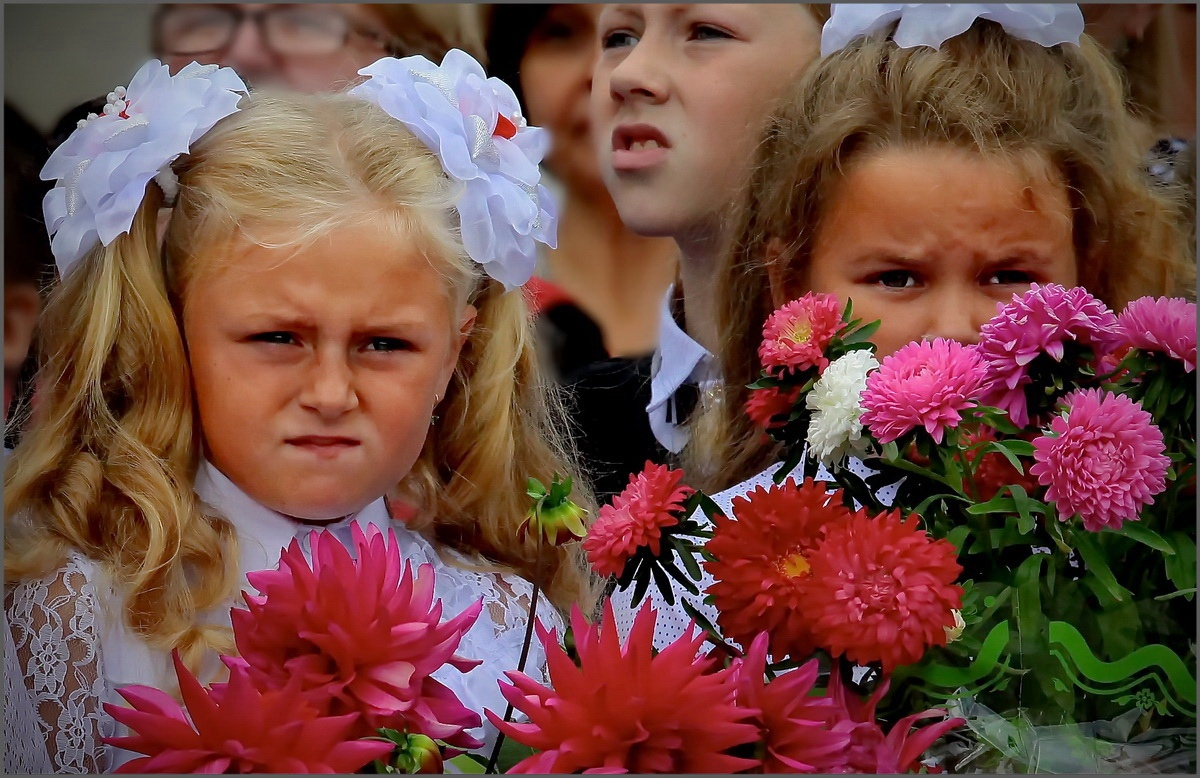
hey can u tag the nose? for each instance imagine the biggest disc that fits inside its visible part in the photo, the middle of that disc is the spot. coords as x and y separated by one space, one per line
640 75
329 387
247 53
959 316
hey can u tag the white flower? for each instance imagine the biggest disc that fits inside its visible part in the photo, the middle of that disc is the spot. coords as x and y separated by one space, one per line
834 430
102 169
931 24
955 632
474 125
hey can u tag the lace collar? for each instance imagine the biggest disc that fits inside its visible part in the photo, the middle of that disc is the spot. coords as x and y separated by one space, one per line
677 360
264 533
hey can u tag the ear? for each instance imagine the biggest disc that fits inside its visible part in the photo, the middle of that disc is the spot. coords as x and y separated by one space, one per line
777 273
466 324
21 307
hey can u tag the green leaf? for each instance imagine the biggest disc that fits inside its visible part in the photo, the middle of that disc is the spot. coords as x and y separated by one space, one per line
688 584
1137 530
689 563
709 507
1001 503
469 766
862 334
1097 565
535 489
1181 568
1011 449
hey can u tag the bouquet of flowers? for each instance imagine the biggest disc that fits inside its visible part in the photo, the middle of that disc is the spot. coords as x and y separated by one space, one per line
334 674
1058 456
1007 537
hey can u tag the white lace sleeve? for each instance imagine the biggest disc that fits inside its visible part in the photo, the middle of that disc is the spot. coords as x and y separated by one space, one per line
53 680
495 638
673 620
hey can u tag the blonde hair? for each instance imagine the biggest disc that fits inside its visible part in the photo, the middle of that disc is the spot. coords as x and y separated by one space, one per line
983 91
108 464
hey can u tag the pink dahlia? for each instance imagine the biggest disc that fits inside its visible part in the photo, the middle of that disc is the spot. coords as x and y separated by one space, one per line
362 635
762 563
795 727
1103 459
765 404
627 708
795 336
870 751
236 728
925 384
652 501
1041 321
881 590
1162 324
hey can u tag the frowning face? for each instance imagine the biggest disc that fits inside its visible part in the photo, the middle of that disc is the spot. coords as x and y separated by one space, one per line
316 371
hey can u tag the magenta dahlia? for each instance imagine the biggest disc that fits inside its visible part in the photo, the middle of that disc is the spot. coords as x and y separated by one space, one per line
627 708
363 635
236 728
923 385
1040 322
1103 459
795 727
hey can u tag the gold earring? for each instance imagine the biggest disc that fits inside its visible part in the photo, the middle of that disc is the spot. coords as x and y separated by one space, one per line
433 419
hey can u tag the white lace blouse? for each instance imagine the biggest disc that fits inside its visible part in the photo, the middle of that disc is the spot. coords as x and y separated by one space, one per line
68 647
672 620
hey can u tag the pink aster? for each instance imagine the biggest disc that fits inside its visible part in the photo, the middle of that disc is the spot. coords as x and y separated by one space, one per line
362 635
626 707
795 336
1041 321
923 385
1103 459
236 728
795 727
652 501
1162 324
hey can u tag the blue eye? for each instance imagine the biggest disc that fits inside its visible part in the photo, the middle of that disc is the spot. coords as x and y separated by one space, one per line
618 39
280 338
389 344
708 32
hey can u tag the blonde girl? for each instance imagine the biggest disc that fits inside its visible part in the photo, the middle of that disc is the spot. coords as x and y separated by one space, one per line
263 358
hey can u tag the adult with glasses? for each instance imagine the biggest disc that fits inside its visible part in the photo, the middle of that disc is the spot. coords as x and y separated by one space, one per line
310 48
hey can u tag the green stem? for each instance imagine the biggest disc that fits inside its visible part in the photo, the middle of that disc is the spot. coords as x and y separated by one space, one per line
537 578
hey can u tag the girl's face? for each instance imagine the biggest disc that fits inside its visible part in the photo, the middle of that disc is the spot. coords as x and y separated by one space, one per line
929 241
556 78
679 97
316 371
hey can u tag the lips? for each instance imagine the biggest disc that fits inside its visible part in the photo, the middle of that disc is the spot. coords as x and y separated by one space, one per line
323 445
638 147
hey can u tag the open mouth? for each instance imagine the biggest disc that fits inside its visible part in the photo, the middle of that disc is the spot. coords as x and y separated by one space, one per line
638 147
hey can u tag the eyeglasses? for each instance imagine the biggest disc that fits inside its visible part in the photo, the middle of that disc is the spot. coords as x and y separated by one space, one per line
286 30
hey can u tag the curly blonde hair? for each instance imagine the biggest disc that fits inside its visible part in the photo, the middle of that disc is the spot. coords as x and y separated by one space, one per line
984 91
108 464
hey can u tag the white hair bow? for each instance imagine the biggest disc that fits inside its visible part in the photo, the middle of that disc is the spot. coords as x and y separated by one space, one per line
474 125
931 24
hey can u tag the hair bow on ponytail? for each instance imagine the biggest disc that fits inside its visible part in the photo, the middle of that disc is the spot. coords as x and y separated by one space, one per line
931 24
474 125
103 167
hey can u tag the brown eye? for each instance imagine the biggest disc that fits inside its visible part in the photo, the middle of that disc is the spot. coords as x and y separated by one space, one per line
896 279
1009 278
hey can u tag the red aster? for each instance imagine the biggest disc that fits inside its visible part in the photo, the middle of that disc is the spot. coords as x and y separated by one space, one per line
762 563
652 501
765 404
881 590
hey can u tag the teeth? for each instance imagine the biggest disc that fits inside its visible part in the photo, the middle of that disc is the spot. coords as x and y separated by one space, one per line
639 145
